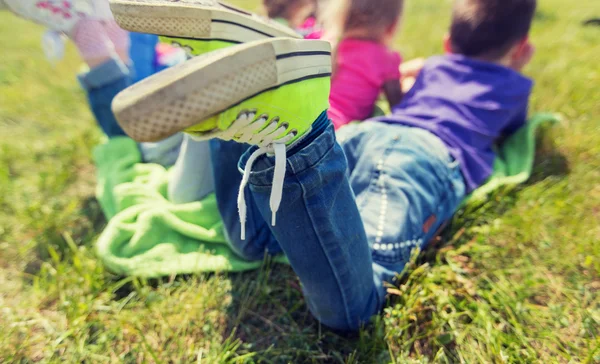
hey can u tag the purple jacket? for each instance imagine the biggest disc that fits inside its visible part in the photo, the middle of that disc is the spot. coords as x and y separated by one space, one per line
469 104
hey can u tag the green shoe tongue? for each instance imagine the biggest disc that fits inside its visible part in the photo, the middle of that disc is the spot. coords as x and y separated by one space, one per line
203 127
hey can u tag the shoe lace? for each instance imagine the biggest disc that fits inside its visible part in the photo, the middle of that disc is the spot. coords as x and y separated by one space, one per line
272 140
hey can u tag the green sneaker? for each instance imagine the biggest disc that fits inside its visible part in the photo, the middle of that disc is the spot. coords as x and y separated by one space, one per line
205 95
197 26
265 93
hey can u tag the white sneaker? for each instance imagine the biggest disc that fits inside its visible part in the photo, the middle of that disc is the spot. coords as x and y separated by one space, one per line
58 15
196 19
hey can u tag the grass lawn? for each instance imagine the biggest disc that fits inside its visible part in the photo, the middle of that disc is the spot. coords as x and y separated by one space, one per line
518 279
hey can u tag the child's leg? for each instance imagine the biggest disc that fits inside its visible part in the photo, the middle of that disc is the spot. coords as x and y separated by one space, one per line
104 47
406 185
192 176
320 229
102 84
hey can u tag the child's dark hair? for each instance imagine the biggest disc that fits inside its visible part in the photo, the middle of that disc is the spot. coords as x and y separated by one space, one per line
284 8
489 28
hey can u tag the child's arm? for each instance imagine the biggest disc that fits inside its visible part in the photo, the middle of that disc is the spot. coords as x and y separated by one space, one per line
393 92
410 71
407 83
392 77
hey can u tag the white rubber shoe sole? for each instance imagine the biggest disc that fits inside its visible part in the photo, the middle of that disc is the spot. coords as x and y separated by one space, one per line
184 95
205 19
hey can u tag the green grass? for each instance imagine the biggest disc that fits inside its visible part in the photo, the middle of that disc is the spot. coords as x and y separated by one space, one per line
517 280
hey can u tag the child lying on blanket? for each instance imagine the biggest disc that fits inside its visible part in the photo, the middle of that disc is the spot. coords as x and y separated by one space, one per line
475 93
364 64
347 210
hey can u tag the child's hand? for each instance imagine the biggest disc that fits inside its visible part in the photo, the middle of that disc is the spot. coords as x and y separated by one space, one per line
409 71
407 83
523 57
412 68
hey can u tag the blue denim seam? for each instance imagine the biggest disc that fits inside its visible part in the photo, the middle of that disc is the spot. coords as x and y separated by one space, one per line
375 173
375 189
378 174
326 253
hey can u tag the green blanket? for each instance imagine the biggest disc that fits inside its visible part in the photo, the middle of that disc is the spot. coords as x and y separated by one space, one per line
148 236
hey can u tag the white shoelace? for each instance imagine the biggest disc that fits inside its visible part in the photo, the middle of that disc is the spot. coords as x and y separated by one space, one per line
270 140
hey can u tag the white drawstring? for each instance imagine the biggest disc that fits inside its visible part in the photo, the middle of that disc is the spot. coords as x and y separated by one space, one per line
278 178
270 140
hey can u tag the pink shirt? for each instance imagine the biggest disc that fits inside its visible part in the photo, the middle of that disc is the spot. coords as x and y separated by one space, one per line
362 67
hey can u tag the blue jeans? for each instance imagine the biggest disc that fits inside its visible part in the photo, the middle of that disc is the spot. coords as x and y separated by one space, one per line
351 212
143 54
102 84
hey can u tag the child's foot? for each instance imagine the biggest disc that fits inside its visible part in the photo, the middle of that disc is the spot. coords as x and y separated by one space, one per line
199 26
217 95
266 93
